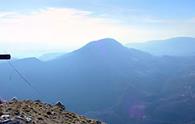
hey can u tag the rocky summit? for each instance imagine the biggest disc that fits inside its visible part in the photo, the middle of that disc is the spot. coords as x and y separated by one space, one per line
36 112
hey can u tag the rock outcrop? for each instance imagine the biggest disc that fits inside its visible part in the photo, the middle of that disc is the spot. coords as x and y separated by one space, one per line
36 112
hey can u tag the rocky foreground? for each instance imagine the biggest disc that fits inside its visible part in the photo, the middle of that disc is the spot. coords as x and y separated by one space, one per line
36 112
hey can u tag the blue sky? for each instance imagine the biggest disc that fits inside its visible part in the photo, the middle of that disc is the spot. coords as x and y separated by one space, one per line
40 26
177 9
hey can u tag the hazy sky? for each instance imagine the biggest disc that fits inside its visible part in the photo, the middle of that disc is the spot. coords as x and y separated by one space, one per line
33 27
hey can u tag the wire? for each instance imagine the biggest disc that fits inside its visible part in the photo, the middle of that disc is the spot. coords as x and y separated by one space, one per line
22 77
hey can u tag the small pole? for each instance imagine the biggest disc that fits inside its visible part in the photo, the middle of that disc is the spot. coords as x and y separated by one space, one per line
5 56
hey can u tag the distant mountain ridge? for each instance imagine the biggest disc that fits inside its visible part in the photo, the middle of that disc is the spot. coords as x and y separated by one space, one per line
179 46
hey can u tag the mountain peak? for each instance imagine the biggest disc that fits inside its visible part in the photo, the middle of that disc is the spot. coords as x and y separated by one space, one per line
106 43
103 47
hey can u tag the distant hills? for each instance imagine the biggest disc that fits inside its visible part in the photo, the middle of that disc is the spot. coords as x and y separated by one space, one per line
111 82
179 46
